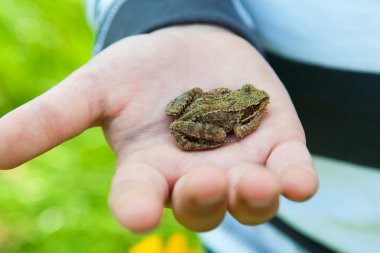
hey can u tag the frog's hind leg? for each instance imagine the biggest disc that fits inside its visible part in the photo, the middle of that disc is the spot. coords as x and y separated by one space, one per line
193 135
186 144
202 131
242 130
176 106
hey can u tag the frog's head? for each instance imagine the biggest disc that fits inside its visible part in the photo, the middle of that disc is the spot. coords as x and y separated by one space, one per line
248 96
251 101
247 101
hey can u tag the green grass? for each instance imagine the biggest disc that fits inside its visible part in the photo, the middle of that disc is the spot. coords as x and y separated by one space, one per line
58 201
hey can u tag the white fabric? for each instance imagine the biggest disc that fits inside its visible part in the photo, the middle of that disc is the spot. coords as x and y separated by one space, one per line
341 33
232 237
345 213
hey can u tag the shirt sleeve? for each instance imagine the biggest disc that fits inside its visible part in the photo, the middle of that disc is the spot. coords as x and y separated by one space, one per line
131 17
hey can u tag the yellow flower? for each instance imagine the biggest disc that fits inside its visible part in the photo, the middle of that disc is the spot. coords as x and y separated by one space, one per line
177 243
150 244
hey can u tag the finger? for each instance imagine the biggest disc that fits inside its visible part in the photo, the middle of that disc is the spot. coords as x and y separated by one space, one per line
253 194
137 196
199 199
292 161
50 119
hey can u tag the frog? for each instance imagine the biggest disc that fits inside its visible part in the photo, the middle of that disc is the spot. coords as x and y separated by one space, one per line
207 120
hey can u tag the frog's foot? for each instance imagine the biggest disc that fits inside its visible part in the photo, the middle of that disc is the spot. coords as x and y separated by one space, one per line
243 129
187 144
176 106
201 131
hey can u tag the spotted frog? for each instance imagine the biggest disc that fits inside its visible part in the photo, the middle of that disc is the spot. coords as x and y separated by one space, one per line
204 120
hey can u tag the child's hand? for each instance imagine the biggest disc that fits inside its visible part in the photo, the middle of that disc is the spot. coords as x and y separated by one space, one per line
125 90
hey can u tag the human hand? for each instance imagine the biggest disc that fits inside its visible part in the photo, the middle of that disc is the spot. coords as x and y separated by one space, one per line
125 89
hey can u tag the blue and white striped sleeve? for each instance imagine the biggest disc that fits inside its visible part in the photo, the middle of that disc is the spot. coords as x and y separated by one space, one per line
116 19
96 10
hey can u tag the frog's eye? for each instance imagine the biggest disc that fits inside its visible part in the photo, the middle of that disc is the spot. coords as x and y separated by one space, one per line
248 87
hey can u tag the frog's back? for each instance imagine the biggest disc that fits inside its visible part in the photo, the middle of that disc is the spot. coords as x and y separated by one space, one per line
234 101
194 110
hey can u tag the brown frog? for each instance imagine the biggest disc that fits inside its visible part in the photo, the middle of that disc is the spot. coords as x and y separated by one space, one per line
206 120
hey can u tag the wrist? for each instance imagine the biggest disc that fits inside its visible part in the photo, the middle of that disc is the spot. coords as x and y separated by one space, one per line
204 35
144 16
194 28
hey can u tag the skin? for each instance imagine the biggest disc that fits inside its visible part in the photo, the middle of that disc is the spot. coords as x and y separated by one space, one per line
125 89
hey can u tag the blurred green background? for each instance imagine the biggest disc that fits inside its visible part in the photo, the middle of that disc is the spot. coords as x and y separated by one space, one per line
58 201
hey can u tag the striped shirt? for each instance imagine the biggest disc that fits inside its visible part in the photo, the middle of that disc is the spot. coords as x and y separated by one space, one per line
327 54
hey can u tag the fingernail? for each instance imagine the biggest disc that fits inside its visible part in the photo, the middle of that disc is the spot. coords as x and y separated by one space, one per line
259 203
211 201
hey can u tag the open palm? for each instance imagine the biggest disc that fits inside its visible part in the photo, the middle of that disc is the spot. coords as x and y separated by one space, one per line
125 90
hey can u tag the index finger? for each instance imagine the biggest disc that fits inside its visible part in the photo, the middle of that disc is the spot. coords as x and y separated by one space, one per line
61 113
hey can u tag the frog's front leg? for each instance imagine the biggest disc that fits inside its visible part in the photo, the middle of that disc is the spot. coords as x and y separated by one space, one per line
205 134
176 106
242 130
